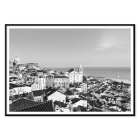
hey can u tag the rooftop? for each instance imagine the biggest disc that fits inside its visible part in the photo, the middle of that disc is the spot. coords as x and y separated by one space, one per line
21 103
75 100
49 91
41 107
60 104
38 93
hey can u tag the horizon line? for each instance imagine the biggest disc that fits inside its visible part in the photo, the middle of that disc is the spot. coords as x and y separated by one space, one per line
92 67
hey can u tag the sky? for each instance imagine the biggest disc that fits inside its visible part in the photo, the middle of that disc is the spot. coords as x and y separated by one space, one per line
71 47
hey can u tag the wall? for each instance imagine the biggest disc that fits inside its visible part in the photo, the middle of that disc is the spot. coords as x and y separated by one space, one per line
57 96
80 103
40 83
20 90
38 98
75 77
61 82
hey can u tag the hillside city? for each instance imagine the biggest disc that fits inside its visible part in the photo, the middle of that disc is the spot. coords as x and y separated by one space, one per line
36 89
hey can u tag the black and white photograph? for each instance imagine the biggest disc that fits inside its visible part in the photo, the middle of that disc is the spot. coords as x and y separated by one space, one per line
70 69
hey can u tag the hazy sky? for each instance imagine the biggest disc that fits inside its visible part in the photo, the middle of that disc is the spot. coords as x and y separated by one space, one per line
71 47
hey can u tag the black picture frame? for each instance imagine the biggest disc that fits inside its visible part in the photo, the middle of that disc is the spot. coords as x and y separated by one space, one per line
134 55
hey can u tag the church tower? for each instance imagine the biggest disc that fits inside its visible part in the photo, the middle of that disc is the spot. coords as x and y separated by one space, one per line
80 69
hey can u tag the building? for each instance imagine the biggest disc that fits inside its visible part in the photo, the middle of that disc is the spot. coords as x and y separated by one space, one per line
42 107
21 103
75 76
39 73
84 87
78 102
31 65
57 96
49 81
54 95
37 95
16 61
10 64
57 81
21 67
61 81
35 86
19 89
40 83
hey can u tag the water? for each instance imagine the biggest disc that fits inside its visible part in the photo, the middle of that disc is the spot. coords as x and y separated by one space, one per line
107 72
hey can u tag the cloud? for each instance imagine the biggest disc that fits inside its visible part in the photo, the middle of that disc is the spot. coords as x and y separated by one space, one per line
106 46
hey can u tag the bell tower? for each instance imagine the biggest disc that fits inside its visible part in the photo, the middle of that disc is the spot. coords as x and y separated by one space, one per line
80 69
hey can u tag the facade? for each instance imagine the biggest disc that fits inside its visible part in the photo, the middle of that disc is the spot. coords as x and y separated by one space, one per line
21 67
10 64
37 95
57 96
61 81
49 81
75 76
35 86
84 87
20 90
16 61
40 84
39 73
57 81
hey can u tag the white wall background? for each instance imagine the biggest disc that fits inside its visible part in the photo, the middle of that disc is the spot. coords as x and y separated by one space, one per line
64 12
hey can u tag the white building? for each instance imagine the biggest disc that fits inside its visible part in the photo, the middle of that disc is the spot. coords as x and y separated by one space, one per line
16 60
57 96
20 90
21 67
40 83
78 102
75 76
84 87
37 95
35 86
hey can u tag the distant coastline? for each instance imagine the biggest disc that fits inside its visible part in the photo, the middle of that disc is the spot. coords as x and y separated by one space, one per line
106 72
122 80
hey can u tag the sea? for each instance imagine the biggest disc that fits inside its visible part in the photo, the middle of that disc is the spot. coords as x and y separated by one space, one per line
107 72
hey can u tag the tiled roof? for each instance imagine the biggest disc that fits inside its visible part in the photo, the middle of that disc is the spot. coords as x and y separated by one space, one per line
41 107
97 92
49 91
115 83
19 85
60 77
21 103
60 104
17 96
15 85
39 70
75 100
38 93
